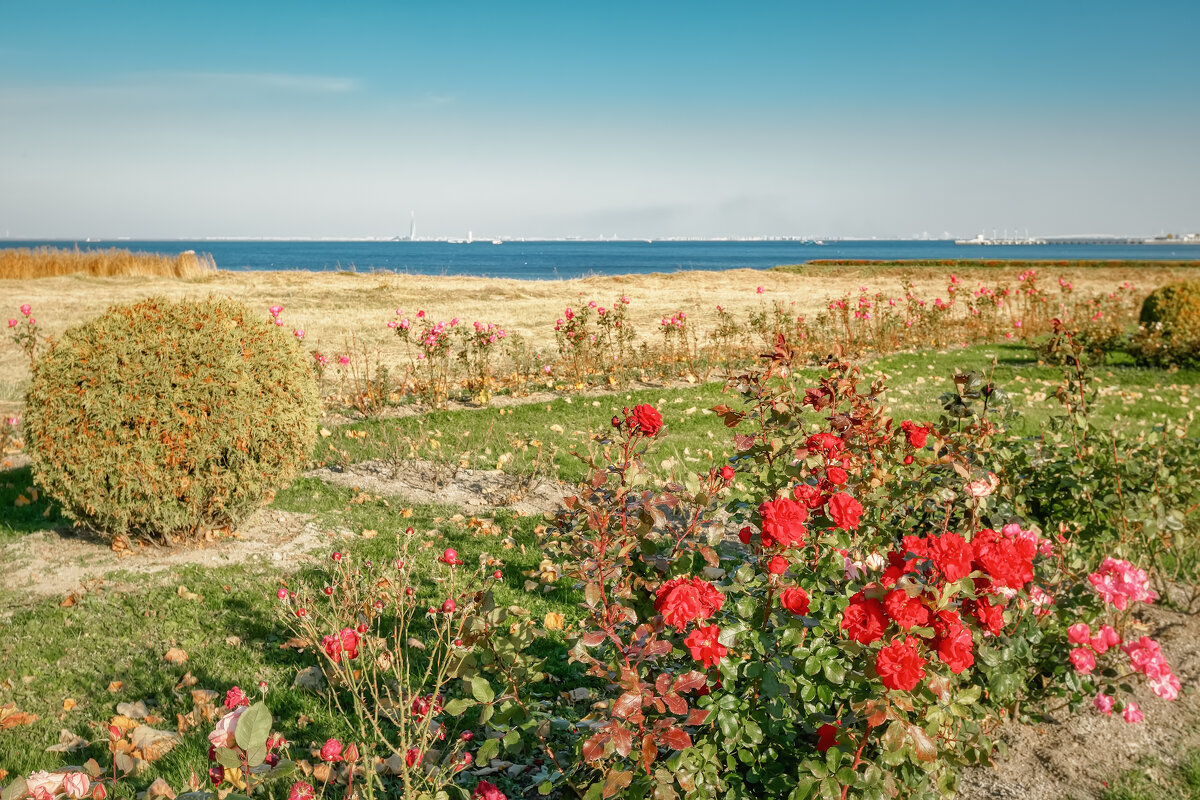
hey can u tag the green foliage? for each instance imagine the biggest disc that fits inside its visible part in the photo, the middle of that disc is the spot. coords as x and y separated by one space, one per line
162 420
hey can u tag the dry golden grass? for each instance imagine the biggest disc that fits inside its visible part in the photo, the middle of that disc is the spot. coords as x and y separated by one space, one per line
331 306
22 263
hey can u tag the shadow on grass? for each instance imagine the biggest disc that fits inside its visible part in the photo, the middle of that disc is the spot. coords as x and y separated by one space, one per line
22 513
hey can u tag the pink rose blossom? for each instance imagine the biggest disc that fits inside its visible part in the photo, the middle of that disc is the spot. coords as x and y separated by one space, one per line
76 785
12 323
1083 660
223 734
1119 581
301 791
1104 703
26 309
1079 633
1132 713
43 784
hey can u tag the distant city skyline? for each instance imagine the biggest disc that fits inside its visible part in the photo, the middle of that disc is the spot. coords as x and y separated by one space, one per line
541 120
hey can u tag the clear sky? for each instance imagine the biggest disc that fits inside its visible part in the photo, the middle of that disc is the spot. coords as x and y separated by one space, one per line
184 119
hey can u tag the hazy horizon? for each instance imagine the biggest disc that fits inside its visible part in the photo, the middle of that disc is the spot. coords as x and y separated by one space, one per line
166 122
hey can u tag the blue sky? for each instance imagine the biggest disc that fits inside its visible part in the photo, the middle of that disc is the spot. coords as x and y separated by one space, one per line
629 119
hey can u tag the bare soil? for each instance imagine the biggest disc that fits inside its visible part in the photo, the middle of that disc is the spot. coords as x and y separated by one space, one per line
425 482
1077 753
57 563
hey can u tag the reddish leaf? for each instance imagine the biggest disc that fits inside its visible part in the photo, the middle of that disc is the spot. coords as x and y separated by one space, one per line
676 703
649 752
696 716
615 781
627 705
689 681
656 649
923 747
675 738
662 683
593 748
592 639
622 740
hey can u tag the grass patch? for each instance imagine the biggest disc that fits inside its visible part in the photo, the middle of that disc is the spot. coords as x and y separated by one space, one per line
1152 780
23 263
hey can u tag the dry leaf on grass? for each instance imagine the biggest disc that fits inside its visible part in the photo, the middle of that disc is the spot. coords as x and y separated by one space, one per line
159 790
10 717
554 621
310 678
68 742
175 656
69 704
187 594
136 710
153 743
115 686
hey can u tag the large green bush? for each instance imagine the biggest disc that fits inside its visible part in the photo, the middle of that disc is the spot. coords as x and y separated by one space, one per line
1170 331
163 420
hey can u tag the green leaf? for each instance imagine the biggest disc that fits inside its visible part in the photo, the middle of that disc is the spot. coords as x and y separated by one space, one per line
458 705
253 726
487 751
834 672
481 690
228 758
256 755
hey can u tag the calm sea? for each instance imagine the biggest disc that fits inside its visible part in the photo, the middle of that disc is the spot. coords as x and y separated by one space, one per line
549 260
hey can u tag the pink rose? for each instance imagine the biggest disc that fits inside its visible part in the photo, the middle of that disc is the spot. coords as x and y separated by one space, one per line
1132 713
26 309
331 752
223 734
44 784
1083 660
1104 703
301 791
1079 633
76 785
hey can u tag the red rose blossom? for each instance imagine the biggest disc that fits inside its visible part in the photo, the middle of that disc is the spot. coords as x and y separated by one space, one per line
777 565
487 791
916 433
682 600
864 620
645 419
905 611
826 443
1008 561
952 555
783 522
826 737
955 649
845 511
810 496
837 476
795 601
989 616
900 666
704 645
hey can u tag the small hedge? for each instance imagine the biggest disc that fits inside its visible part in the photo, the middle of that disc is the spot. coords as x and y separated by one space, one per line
1170 330
163 420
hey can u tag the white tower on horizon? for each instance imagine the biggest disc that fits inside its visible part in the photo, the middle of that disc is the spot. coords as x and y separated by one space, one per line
412 226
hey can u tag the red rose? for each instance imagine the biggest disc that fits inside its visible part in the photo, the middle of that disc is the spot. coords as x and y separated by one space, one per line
783 522
645 419
235 697
900 666
864 620
826 443
945 621
826 737
905 611
952 555
331 751
777 565
916 433
341 644
896 569
810 496
727 473
837 476
487 791
989 616
704 645
682 600
845 511
916 546
1007 561
744 534
795 601
955 649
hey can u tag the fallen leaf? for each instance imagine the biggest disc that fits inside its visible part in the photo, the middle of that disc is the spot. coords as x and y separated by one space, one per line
369 534
159 790
554 621
187 594
115 686
310 678
68 742
70 600
175 656
11 718
123 722
202 697
233 641
187 680
136 710
69 704
153 743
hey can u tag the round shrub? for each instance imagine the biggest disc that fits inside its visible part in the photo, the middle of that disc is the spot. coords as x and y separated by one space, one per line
1171 304
1170 331
163 420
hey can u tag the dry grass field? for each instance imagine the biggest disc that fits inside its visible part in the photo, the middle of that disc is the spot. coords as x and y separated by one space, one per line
332 306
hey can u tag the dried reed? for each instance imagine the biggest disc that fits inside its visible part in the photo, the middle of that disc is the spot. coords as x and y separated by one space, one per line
22 263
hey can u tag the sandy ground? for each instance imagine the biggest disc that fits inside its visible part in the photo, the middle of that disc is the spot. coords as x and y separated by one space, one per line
331 307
